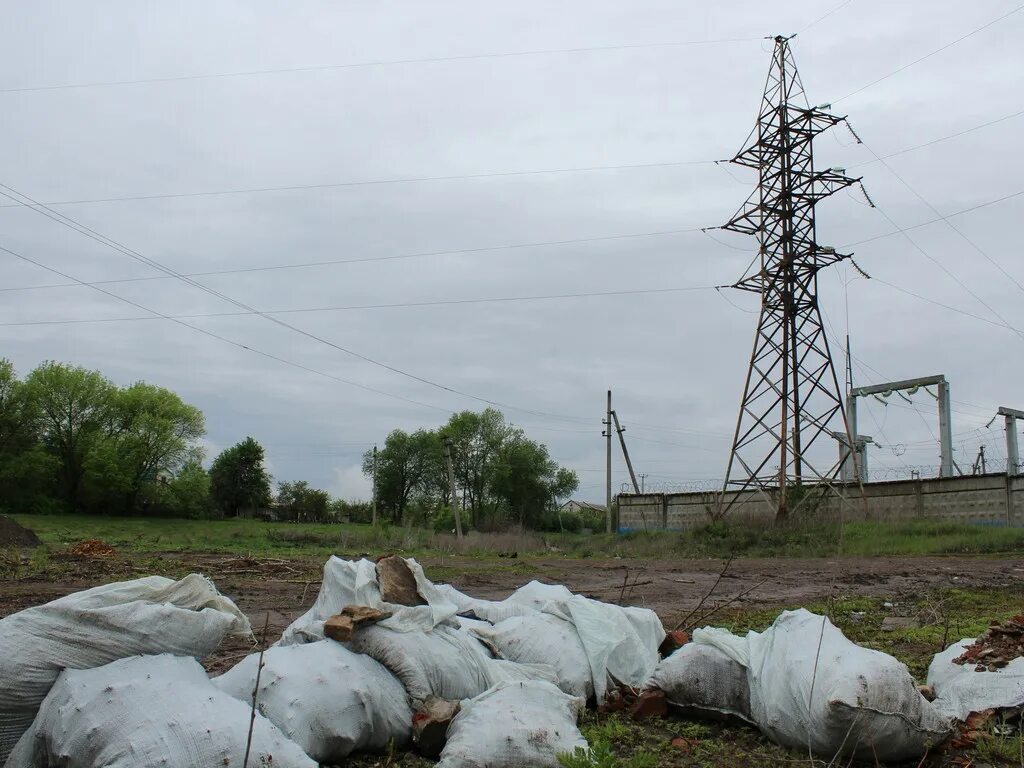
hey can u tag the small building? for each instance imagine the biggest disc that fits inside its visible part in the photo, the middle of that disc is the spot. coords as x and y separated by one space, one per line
578 507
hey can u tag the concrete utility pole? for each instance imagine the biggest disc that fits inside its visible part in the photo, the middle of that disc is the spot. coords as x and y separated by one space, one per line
642 478
1012 451
625 454
608 465
373 519
853 466
945 420
451 486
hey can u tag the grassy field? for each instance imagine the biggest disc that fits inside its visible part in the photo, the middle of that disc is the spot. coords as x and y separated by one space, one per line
918 537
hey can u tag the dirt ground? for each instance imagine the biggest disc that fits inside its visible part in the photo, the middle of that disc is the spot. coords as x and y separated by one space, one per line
277 591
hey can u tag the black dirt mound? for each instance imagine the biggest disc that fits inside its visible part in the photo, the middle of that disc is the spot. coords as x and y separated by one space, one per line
14 535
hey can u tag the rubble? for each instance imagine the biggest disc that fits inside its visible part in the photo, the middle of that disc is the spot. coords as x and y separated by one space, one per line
341 626
998 646
430 725
397 582
91 548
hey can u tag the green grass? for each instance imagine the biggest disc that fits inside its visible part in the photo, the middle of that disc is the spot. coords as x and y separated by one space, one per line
719 540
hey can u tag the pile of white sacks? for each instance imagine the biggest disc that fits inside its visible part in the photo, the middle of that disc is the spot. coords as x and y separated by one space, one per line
109 677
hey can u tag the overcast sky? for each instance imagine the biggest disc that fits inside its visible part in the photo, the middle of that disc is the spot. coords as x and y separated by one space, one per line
675 360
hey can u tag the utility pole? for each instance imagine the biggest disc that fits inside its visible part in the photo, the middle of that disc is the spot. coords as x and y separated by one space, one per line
373 519
625 454
980 467
642 478
791 393
608 464
451 486
1012 450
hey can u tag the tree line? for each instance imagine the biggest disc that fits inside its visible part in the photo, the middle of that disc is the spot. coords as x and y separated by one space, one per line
501 476
73 441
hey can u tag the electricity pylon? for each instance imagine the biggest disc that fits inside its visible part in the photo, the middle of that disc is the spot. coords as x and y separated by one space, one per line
791 393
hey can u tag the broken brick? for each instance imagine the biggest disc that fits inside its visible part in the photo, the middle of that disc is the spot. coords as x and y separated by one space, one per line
650 704
430 725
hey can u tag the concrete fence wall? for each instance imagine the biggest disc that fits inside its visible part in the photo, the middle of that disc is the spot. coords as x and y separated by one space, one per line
981 499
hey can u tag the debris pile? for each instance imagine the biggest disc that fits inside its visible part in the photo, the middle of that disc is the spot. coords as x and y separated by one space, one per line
996 647
91 548
386 660
13 534
979 674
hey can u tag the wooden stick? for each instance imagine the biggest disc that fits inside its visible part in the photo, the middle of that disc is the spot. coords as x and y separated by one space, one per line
255 691
705 598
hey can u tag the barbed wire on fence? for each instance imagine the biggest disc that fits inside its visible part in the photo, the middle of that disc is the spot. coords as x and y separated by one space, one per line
993 466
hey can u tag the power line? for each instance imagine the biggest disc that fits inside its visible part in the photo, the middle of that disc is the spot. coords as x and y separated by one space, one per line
468 176
951 308
956 135
368 259
945 220
377 63
825 16
957 280
394 305
929 55
375 182
483 249
224 339
121 248
903 230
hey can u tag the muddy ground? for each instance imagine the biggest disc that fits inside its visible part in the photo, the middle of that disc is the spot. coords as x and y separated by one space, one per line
281 589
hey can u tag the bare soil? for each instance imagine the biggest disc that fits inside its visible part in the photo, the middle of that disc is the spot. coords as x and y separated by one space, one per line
283 590
13 534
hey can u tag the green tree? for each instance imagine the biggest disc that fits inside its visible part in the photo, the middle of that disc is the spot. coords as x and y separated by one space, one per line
152 434
528 480
407 464
75 406
298 501
238 479
188 493
476 439
27 471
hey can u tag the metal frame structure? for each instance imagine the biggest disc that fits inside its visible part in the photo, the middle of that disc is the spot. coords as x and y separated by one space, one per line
853 468
791 394
1013 467
945 420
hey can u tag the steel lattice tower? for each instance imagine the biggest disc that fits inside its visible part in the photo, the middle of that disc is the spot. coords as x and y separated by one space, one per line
791 395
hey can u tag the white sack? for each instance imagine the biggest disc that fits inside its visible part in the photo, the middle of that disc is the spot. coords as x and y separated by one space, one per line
618 645
445 662
621 643
526 600
811 687
959 690
703 678
354 582
541 638
148 712
513 672
92 628
327 699
514 725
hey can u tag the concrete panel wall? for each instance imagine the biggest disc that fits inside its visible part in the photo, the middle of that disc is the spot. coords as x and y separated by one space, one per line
978 499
